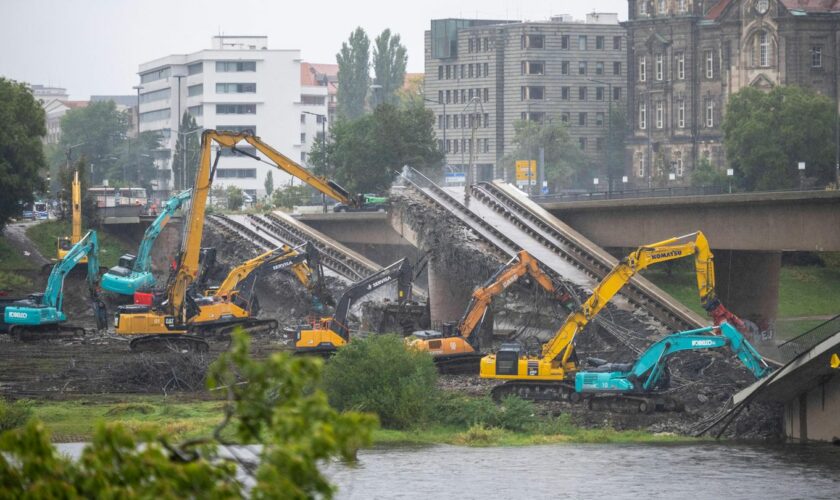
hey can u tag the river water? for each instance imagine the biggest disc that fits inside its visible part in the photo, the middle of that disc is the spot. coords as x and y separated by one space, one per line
715 471
597 471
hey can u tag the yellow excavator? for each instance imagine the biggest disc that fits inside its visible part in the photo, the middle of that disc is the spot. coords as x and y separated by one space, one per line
456 349
168 323
551 374
65 243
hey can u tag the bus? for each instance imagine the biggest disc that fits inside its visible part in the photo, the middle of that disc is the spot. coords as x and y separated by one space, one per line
112 197
37 211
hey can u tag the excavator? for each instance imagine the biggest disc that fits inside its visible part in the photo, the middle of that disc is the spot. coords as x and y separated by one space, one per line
65 243
40 316
637 386
550 375
134 272
327 334
168 322
456 349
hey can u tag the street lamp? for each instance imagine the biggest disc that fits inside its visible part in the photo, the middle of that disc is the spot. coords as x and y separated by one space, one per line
374 88
609 129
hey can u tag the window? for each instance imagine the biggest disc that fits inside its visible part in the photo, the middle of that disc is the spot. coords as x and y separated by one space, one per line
533 41
238 128
599 119
486 69
617 68
581 42
235 66
455 96
534 116
599 144
470 94
478 70
582 119
680 66
317 100
486 94
661 7
155 75
642 68
440 121
643 7
236 173
564 93
677 162
157 95
709 57
582 143
565 117
599 93
681 6
710 113
463 70
456 119
582 93
599 42
642 116
599 68
463 95
486 120
763 49
582 68
448 97
616 93
448 71
533 68
816 56
455 145
471 71
564 68
196 110
660 71
440 97
486 44
533 93
236 88
660 114
194 90
564 42
640 164
195 68
616 43
470 45
681 113
486 145
153 116
236 109
302 137
448 145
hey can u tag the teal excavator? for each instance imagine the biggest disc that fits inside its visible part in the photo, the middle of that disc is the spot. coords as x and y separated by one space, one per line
134 272
40 315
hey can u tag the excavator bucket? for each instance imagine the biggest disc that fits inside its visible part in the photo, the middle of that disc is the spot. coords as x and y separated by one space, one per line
100 313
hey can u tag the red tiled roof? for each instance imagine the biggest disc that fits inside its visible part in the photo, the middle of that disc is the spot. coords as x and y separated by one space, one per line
412 77
717 9
812 5
310 73
75 104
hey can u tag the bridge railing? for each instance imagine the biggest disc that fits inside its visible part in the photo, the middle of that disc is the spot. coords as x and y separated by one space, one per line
665 192
797 345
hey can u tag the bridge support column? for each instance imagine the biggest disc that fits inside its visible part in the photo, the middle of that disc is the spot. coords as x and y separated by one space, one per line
448 294
748 284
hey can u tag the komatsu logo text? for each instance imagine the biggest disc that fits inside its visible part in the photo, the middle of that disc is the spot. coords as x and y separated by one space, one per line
665 255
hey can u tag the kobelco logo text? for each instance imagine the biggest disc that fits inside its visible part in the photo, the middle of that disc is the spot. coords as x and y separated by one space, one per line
18 315
702 343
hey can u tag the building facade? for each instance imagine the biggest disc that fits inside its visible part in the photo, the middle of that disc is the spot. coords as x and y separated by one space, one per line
238 84
318 100
490 74
687 57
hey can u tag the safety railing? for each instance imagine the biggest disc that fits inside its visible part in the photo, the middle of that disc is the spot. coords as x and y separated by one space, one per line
797 345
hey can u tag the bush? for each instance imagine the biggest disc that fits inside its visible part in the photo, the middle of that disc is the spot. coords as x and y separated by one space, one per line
380 375
235 198
512 414
14 415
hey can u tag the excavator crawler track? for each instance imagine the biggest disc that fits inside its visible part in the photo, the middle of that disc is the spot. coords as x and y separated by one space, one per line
535 390
22 333
252 327
634 403
458 363
169 343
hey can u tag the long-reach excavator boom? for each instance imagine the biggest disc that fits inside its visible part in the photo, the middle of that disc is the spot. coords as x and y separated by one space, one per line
333 332
174 314
557 360
135 272
65 243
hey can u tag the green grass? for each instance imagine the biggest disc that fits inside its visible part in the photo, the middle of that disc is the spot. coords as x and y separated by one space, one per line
11 259
45 236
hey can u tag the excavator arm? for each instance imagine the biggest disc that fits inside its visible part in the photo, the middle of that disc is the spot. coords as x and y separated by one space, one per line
64 243
143 262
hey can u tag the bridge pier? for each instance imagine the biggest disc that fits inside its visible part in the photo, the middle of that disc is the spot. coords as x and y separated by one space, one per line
448 297
748 284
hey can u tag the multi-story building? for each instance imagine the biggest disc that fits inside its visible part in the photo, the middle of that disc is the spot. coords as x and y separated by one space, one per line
318 92
686 57
492 73
238 84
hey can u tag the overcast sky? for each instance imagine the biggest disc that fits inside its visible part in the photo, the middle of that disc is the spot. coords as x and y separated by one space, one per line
95 46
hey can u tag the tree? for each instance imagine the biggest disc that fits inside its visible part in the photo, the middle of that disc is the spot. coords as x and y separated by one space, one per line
706 175
269 183
564 161
389 62
98 132
21 153
137 161
187 151
353 75
290 196
412 92
235 198
364 153
767 134
271 402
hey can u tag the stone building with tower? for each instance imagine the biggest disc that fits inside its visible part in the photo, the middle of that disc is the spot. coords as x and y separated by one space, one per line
686 57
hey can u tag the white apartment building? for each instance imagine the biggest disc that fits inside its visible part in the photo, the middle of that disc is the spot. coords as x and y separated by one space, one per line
238 84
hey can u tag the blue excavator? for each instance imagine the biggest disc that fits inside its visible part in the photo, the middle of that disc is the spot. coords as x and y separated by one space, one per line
134 272
40 315
640 385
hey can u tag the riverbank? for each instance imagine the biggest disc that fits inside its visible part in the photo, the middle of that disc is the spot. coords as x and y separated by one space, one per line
186 418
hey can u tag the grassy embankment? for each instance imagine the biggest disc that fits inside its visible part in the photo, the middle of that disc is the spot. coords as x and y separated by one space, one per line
11 264
805 292
45 236
75 421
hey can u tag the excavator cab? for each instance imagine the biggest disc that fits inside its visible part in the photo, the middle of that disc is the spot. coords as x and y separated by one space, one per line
507 358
